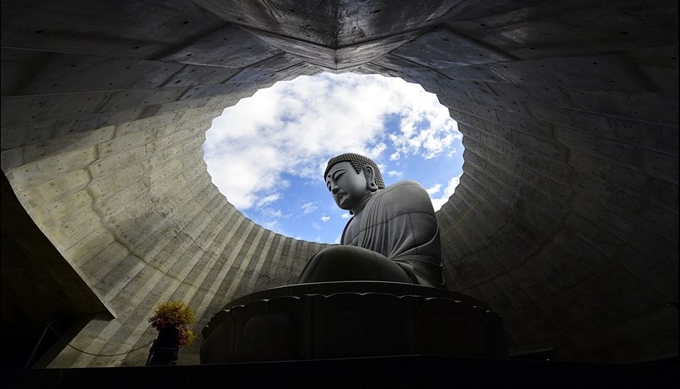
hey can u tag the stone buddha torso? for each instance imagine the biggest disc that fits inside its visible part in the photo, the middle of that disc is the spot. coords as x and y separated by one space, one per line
392 236
399 223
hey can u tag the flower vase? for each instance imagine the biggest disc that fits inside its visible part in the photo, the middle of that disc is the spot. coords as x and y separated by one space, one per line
165 347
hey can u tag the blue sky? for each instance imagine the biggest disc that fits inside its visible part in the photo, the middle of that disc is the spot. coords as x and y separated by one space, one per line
268 152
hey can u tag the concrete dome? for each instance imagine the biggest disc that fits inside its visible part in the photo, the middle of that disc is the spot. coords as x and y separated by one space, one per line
565 220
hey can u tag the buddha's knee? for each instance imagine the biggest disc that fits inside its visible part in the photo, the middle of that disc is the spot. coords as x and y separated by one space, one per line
344 263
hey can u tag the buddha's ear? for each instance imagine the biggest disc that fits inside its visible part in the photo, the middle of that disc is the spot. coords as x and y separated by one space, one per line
369 173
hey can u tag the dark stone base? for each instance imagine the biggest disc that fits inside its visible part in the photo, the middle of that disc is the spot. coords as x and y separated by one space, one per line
351 319
378 372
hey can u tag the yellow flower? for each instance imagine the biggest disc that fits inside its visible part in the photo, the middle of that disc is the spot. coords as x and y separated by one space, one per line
176 314
186 336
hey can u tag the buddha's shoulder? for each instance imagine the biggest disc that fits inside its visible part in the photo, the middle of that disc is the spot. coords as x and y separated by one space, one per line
405 185
405 197
406 189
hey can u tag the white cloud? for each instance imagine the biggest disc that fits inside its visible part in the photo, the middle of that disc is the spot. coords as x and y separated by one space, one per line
271 224
271 213
325 218
395 174
246 176
268 199
345 216
308 207
295 126
437 202
377 149
434 189
419 136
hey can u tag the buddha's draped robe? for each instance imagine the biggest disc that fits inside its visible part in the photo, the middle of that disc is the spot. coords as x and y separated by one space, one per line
399 223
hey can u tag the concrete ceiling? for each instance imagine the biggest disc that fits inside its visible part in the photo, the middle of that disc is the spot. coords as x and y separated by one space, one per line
565 220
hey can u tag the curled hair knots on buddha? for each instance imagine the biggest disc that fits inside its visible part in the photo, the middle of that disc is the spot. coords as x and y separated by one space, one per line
359 162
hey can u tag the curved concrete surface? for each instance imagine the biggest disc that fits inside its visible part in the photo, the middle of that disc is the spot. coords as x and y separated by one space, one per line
565 220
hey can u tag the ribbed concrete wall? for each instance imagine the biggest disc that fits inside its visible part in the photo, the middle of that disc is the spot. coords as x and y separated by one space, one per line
133 209
565 220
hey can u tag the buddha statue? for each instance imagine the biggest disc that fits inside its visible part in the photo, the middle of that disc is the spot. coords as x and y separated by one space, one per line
392 235
380 292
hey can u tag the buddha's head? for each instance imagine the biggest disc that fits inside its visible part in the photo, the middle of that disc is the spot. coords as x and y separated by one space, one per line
350 178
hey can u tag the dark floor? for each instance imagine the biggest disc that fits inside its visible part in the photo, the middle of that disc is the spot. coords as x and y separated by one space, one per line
376 372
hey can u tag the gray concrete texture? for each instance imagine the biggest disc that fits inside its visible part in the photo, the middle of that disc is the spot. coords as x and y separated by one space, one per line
565 220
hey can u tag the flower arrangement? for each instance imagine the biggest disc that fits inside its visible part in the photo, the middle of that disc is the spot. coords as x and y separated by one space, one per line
176 314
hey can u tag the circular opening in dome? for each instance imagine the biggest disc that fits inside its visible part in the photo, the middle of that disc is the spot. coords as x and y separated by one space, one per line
267 153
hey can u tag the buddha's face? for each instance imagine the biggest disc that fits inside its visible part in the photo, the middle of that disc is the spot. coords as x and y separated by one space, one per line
346 185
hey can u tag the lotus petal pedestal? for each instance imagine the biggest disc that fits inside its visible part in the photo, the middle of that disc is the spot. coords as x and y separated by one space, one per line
351 319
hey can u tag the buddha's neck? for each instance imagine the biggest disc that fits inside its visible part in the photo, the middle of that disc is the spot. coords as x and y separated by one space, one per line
362 203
